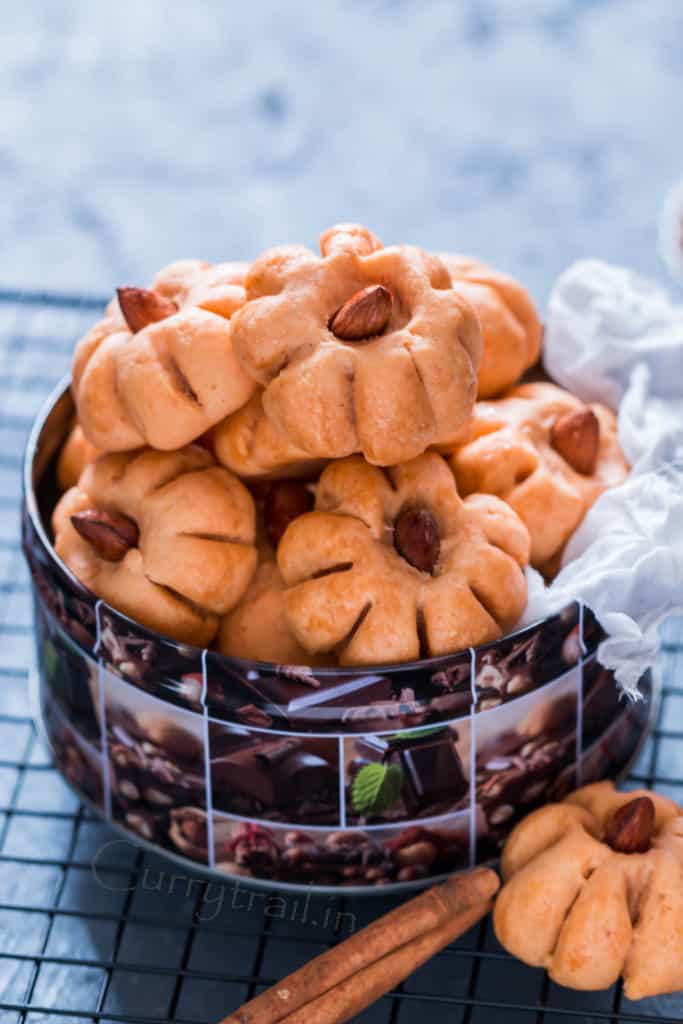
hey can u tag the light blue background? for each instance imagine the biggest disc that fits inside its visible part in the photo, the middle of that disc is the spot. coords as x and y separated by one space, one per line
528 131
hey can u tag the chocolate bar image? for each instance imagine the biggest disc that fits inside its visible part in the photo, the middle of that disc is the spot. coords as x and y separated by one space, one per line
351 703
303 699
278 778
433 775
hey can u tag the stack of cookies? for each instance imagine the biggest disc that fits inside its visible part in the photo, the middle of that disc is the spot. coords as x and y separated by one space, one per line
324 459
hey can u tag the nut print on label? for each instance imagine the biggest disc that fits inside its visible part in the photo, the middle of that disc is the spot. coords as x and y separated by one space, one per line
168 670
525 756
75 757
528 660
342 857
156 766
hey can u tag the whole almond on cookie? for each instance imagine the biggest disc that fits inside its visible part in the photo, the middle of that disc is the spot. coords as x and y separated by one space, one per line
416 538
111 535
285 501
364 315
630 829
576 437
141 307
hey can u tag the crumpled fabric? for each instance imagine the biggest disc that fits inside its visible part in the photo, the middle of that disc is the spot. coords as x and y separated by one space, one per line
614 337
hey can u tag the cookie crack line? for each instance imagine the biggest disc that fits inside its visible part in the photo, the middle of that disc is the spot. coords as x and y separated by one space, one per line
498 547
550 956
486 605
178 378
218 538
421 626
341 646
172 477
385 470
338 510
636 896
203 613
420 377
331 570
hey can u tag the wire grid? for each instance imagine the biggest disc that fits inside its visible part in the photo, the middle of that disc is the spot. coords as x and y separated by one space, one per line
93 929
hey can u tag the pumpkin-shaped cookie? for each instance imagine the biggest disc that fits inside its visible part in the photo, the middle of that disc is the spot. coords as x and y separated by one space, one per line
76 454
159 369
251 446
510 325
594 891
546 454
257 628
366 349
393 565
167 538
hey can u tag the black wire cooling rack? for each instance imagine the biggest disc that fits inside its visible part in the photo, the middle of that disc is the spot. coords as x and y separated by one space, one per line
92 929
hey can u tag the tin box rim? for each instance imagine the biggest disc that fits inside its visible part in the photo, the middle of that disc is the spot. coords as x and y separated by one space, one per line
36 447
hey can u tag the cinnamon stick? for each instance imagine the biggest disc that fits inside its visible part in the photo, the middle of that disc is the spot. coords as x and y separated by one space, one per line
341 982
351 997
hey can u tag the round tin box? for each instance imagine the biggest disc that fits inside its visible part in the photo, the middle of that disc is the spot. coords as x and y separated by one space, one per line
293 776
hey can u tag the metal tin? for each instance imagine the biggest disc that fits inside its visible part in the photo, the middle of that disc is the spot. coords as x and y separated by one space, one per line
361 778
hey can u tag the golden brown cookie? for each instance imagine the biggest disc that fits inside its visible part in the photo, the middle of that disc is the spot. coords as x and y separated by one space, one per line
510 325
251 446
392 565
159 369
594 891
167 538
76 454
366 349
546 454
257 628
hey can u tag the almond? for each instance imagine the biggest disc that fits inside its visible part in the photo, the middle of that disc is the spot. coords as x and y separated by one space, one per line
193 827
422 853
576 437
416 538
409 836
364 315
285 501
109 533
141 307
630 829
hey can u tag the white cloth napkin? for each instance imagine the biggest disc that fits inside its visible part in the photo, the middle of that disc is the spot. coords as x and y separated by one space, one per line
613 337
